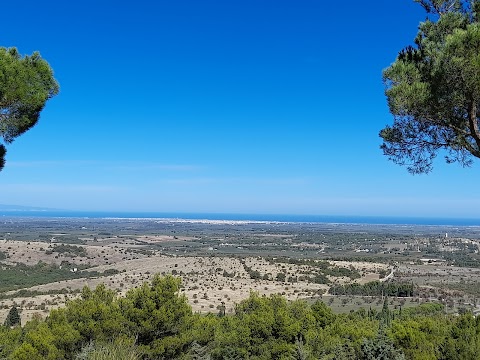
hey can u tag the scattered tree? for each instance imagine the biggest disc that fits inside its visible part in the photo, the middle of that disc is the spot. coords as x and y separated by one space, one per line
13 317
281 277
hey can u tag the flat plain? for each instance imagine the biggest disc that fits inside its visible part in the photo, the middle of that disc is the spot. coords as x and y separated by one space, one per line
44 262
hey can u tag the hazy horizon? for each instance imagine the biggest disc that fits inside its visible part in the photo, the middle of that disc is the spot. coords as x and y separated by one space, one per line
398 220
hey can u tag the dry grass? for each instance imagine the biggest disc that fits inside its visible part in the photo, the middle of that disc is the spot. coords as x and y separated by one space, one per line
203 278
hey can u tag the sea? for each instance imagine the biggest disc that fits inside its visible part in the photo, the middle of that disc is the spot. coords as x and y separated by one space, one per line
336 219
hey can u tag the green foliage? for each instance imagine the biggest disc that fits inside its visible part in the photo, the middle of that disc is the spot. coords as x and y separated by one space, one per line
155 315
203 328
63 239
254 274
433 89
13 317
10 339
198 352
155 322
38 343
463 341
264 328
375 288
66 335
26 83
427 309
158 315
322 313
23 276
380 348
95 315
124 350
419 337
26 351
30 293
69 250
321 269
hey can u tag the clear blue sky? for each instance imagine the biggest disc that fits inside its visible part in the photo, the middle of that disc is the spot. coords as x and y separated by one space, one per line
252 106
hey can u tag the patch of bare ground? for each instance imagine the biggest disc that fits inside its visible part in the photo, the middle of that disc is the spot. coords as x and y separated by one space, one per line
368 271
30 253
153 239
29 306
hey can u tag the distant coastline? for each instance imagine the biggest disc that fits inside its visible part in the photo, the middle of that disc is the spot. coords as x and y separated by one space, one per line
330 219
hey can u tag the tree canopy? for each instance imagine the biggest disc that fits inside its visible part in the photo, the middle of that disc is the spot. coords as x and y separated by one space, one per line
26 83
154 321
433 89
13 317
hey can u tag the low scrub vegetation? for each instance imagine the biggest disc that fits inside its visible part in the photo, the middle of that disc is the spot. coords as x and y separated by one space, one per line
154 321
68 250
23 276
375 288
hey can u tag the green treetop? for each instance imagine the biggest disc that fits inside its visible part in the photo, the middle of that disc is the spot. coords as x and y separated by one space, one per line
433 89
26 83
13 317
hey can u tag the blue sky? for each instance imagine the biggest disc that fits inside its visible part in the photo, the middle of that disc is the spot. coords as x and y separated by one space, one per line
265 106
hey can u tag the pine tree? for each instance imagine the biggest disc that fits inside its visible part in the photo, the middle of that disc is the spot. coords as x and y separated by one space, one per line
13 317
380 348
26 84
433 89
385 316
